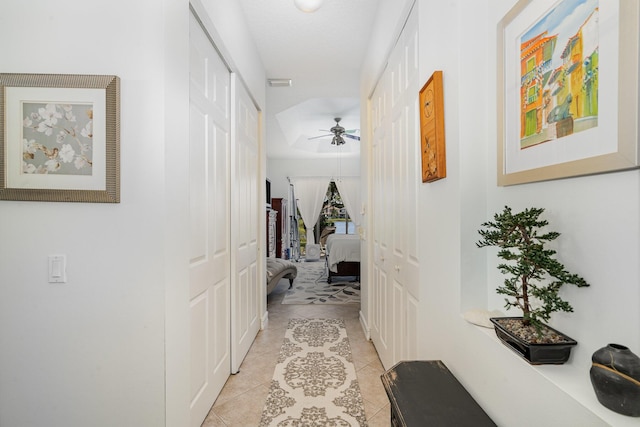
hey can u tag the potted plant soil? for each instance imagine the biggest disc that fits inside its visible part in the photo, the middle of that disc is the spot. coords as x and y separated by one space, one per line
534 279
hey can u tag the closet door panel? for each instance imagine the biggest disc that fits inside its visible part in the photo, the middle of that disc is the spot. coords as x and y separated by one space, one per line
396 300
382 203
412 328
412 162
209 263
246 289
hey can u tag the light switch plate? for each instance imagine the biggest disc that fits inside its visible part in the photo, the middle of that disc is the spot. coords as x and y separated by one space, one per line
57 269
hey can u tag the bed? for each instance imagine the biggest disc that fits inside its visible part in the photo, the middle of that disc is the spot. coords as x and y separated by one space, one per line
343 256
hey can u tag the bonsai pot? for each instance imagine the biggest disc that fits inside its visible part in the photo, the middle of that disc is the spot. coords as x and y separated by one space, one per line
552 348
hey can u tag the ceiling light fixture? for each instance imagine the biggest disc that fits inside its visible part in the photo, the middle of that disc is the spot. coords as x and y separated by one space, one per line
337 140
308 6
279 82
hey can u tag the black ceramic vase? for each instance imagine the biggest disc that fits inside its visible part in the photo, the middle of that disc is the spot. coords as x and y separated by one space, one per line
615 376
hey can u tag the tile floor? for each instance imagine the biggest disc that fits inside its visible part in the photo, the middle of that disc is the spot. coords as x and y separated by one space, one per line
241 400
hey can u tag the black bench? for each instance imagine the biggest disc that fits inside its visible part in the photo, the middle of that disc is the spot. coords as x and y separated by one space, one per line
425 393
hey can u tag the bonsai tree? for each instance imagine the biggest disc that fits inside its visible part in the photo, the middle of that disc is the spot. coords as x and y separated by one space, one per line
535 277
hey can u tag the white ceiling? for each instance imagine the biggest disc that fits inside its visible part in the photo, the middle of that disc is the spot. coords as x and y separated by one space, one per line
322 53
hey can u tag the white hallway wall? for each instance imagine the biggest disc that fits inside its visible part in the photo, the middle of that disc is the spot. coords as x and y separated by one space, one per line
93 351
597 215
89 351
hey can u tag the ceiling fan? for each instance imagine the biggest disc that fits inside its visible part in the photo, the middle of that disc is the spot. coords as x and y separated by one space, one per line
338 133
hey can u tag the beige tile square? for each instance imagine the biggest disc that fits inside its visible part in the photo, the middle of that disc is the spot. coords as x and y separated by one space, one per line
234 387
245 410
364 354
381 419
371 386
213 420
259 367
375 365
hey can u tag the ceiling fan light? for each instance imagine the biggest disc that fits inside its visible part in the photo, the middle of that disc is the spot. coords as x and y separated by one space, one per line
308 6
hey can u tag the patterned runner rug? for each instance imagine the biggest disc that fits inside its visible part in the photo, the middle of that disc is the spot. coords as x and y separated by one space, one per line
311 287
314 383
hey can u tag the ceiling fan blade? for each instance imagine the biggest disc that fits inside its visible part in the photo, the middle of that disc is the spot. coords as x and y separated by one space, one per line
356 137
321 136
352 130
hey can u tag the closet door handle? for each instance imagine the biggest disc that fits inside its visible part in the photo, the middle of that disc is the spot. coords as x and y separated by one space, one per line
397 268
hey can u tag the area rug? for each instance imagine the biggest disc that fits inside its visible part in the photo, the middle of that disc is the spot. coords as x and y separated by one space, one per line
311 287
314 383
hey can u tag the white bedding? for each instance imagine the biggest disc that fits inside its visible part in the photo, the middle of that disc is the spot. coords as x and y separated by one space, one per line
342 247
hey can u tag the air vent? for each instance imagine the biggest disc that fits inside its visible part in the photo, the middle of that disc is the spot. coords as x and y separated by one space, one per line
279 82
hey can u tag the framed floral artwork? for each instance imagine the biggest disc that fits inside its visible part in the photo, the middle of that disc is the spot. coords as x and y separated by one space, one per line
60 138
567 89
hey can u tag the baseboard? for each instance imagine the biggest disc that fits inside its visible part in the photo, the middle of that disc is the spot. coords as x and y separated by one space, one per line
365 326
264 321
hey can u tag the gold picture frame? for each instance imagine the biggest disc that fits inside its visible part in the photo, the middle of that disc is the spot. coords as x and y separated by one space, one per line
60 138
432 138
567 99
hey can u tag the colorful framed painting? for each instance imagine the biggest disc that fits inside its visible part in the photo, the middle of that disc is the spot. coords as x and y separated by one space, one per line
567 89
60 138
432 141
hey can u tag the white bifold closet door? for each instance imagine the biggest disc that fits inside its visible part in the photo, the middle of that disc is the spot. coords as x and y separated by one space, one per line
209 208
396 176
224 222
245 216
